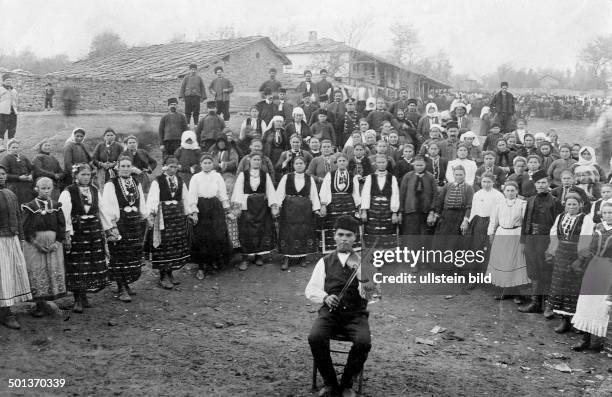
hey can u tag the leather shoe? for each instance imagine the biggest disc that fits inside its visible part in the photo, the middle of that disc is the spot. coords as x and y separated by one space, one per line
548 312
85 301
285 264
165 283
597 344
584 343
10 321
259 261
172 280
535 306
327 391
349 393
129 290
564 326
200 274
243 265
124 296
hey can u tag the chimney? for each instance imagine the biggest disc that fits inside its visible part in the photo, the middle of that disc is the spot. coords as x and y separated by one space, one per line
312 35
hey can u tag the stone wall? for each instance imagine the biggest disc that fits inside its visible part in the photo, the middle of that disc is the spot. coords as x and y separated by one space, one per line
246 70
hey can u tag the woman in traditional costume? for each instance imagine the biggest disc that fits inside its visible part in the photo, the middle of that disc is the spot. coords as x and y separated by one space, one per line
124 205
253 197
75 152
297 198
19 172
507 259
570 235
339 196
45 165
44 230
380 202
209 205
105 157
593 306
14 284
188 156
142 163
168 207
84 243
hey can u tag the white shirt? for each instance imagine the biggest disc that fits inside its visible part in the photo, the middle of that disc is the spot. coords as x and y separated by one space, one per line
207 185
253 125
326 190
584 241
484 203
380 179
153 198
110 204
299 184
66 202
238 195
470 170
315 290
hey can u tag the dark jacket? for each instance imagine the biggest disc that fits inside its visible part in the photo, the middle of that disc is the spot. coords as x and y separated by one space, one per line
407 192
551 207
497 103
171 126
443 166
193 86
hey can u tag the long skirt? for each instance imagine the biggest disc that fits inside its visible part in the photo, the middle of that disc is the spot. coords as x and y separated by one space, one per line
565 285
478 240
86 269
14 284
210 238
448 235
232 223
297 237
24 191
379 232
126 254
174 249
592 310
507 260
256 226
45 270
341 204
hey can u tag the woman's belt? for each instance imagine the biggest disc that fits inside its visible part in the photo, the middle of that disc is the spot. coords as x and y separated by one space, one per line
510 228
170 202
130 208
83 216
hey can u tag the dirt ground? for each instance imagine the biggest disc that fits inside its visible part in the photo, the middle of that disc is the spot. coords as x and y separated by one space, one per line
245 333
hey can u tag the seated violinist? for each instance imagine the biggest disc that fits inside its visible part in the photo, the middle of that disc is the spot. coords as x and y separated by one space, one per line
335 285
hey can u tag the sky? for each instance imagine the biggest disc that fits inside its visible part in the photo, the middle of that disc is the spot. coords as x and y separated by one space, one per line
477 35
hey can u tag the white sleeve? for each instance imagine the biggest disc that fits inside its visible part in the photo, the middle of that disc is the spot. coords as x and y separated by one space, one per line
270 192
242 134
586 233
395 196
222 191
326 195
356 196
264 127
314 195
185 199
554 241
144 211
592 213
110 205
193 194
66 202
238 195
450 178
365 193
280 191
471 172
315 291
106 222
153 197
493 221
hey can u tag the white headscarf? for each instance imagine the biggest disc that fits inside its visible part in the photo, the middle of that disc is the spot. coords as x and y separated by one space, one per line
275 118
470 134
71 138
485 110
298 110
194 141
582 161
541 135
371 103
431 105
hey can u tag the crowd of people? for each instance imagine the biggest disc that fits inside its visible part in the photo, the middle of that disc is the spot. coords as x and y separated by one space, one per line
282 182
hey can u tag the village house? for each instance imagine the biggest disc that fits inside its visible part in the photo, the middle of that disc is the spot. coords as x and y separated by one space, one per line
360 73
143 78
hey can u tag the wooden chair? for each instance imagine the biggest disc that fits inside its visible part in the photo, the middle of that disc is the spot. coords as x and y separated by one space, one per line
342 339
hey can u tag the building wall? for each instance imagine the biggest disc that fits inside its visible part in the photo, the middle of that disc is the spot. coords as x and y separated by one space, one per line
246 70
315 62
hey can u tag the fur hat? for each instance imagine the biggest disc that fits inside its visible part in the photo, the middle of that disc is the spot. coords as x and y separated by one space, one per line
347 222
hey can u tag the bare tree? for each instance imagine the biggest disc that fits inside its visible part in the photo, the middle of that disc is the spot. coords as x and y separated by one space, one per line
334 63
354 30
597 54
106 43
405 43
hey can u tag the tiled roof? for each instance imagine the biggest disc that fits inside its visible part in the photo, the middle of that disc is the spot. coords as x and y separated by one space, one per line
162 61
328 45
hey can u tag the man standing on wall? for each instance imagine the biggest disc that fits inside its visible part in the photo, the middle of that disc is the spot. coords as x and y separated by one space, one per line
324 87
272 84
192 92
8 107
221 88
49 93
